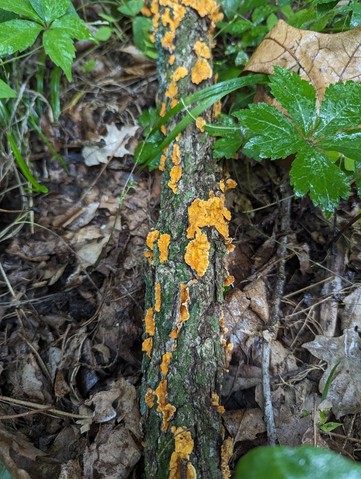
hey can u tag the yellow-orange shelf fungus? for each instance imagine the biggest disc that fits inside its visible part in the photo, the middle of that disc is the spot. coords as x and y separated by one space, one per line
200 123
172 90
149 322
176 156
147 346
179 73
166 359
149 398
201 71
163 109
163 246
209 8
202 50
183 303
215 403
152 238
210 212
145 11
162 162
226 454
164 407
163 129
175 176
168 41
157 295
179 461
228 184
171 60
197 253
228 281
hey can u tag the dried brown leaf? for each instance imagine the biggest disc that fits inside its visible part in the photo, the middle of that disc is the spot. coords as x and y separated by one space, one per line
320 58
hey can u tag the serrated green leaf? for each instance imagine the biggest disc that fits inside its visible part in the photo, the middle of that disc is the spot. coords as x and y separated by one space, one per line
313 172
330 426
142 28
60 48
346 142
340 109
49 10
131 8
227 147
296 96
20 7
303 462
73 26
6 91
270 134
17 35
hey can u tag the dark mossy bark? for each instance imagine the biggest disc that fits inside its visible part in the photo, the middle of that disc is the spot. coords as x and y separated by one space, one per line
196 365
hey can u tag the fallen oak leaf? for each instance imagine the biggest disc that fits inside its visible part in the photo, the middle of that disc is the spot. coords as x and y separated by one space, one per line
320 58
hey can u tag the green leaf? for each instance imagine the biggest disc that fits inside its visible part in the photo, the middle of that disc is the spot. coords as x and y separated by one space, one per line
227 147
346 142
304 462
205 99
313 172
103 34
20 7
142 28
49 10
6 91
131 8
340 109
24 167
17 35
73 26
60 48
270 134
295 95
329 426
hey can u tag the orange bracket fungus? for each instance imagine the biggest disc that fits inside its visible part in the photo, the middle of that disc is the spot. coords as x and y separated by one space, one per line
164 407
179 462
158 301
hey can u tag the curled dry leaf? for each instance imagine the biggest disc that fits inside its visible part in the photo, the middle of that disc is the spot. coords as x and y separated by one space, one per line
320 58
244 424
344 351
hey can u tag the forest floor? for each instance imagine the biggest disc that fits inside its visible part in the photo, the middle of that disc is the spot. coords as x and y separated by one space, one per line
72 287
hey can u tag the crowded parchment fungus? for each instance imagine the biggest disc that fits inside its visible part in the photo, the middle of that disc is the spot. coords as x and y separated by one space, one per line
149 322
180 465
147 346
164 407
163 247
157 297
226 454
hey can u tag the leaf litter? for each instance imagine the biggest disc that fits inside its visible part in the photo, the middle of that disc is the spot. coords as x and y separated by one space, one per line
71 312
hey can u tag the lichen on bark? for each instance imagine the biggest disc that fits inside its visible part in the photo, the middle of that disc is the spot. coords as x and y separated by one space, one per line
185 366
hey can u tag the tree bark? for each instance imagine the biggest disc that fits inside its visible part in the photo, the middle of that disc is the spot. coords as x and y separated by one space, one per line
184 360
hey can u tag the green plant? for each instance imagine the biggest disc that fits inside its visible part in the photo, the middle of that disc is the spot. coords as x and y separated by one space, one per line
310 133
303 462
57 21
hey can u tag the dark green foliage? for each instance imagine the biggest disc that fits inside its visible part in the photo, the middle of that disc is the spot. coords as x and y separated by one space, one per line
304 462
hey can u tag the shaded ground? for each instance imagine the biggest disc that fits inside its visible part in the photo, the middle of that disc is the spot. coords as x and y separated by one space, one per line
71 289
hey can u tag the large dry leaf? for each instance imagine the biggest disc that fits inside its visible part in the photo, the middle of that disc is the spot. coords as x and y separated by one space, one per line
320 58
344 351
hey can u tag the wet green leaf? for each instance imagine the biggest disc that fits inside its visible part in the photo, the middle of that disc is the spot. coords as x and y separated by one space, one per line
49 10
131 8
295 95
304 462
20 7
73 26
270 134
17 35
313 172
60 48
